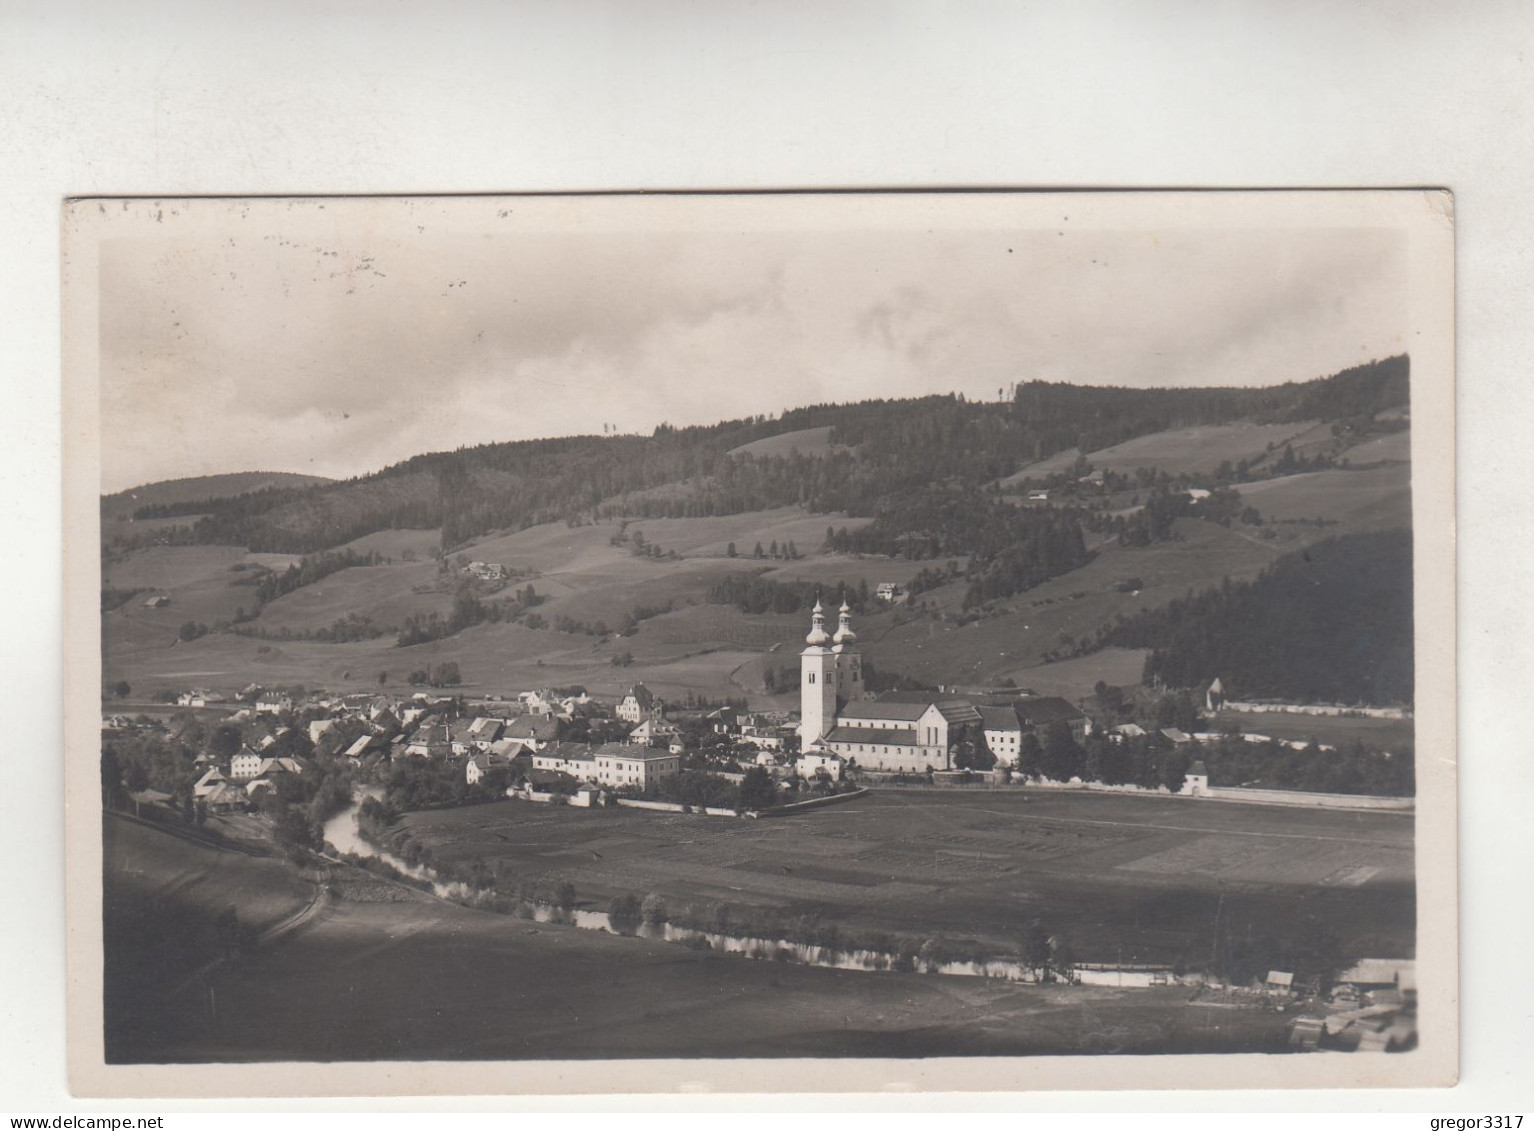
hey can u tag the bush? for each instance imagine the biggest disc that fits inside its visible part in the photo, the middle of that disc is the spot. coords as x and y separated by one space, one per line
623 914
653 910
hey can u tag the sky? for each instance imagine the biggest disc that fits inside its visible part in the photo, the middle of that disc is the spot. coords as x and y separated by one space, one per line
336 337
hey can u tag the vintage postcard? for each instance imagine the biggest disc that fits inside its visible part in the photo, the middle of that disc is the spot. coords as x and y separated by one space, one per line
760 642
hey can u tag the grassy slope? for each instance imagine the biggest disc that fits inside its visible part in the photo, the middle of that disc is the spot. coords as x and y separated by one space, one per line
1198 449
717 650
805 441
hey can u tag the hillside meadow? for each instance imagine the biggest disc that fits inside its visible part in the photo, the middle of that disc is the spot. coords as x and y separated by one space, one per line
587 572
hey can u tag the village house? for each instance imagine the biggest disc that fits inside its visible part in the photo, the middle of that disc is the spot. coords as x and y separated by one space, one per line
1003 732
573 758
1039 711
623 764
533 731
158 601
209 781
655 732
1195 782
723 720
888 591
246 764
318 727
479 765
639 704
430 740
810 765
273 704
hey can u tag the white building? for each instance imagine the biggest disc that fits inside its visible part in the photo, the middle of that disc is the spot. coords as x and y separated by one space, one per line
653 731
245 764
812 764
1003 734
619 764
639 704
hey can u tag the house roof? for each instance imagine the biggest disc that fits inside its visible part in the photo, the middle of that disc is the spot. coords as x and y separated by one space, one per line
541 727
1198 770
999 718
883 736
641 695
1045 709
882 708
569 752
630 751
359 747
1280 978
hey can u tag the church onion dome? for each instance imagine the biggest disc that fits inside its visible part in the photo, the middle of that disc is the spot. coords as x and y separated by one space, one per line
844 633
817 637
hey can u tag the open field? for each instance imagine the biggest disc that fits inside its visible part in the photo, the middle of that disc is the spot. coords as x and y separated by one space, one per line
397 544
1076 677
713 650
1112 873
1198 449
388 594
1377 734
1377 499
419 979
805 441
1053 616
1056 464
1392 447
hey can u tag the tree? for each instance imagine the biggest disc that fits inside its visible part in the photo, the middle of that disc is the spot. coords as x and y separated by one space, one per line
1030 757
383 678
1036 950
1174 768
121 689
757 790
729 551
757 553
623 914
653 910
225 742
564 895
1062 757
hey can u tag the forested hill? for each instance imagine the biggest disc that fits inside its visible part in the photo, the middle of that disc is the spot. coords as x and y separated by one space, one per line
1329 624
885 454
153 499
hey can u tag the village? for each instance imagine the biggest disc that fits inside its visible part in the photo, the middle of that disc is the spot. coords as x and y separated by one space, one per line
294 757
565 745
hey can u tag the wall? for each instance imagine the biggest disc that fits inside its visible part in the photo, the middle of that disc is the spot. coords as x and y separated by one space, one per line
1318 800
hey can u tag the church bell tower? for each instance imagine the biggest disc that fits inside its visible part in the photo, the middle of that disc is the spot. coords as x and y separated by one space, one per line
817 682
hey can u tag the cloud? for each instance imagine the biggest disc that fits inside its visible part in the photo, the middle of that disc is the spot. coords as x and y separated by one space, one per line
335 341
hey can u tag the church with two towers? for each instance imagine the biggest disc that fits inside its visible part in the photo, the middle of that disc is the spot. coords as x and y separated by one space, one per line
900 731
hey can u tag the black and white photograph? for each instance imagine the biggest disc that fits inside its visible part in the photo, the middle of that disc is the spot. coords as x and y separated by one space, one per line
979 638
